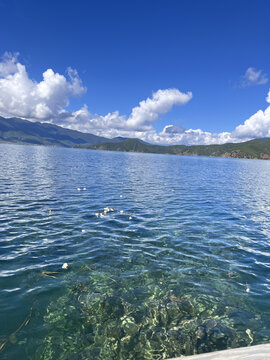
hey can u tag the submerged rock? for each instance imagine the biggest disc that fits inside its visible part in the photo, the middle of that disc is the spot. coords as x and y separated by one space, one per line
100 319
129 326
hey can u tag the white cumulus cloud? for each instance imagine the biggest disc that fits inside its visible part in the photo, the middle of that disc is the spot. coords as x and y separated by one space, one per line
257 126
8 64
172 130
189 137
139 123
144 115
46 101
22 97
113 124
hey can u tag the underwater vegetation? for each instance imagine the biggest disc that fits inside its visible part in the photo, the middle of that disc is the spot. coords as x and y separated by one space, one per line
143 317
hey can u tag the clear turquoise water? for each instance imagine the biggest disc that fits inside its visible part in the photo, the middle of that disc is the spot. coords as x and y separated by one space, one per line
170 280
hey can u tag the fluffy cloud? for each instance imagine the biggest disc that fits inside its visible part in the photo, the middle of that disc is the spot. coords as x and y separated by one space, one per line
47 100
268 97
138 124
190 137
257 126
253 77
143 116
22 97
172 130
8 65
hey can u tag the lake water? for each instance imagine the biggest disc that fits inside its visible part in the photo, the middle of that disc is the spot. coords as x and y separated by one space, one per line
178 265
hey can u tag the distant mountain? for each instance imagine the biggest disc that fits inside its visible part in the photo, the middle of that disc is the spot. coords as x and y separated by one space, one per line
253 149
118 139
20 131
130 145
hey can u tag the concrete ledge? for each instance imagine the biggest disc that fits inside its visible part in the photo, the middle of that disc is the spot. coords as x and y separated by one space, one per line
257 352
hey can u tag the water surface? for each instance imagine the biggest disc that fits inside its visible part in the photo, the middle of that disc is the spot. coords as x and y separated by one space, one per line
179 264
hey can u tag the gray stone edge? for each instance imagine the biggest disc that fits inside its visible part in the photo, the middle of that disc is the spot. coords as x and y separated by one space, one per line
257 352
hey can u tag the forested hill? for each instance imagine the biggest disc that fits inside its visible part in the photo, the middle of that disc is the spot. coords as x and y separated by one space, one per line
253 149
19 131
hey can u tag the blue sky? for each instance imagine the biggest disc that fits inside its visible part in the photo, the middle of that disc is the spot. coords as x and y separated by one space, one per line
124 52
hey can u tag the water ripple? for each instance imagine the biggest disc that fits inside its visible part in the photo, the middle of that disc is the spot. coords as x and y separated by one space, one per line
179 266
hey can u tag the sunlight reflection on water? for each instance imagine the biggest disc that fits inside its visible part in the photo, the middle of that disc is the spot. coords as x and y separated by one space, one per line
163 274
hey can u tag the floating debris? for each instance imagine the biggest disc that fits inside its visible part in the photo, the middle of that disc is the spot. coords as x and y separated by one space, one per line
130 218
12 337
83 231
249 334
101 215
79 189
247 288
3 345
105 212
121 211
173 298
121 196
89 267
84 188
49 274
65 266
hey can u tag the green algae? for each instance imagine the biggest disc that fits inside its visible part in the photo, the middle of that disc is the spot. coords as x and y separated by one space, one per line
141 317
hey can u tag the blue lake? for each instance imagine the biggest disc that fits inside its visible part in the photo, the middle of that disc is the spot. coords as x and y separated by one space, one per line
178 264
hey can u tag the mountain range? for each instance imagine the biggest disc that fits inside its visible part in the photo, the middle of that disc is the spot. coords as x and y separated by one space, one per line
19 131
253 149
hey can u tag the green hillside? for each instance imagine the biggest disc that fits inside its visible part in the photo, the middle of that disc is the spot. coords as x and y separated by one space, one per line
20 131
253 149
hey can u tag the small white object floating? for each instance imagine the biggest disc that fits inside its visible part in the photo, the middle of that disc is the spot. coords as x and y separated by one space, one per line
79 189
121 196
84 188
83 231
247 288
107 209
121 211
105 212
130 218
65 266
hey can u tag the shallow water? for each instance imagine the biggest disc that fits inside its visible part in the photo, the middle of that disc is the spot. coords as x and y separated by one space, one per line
180 266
